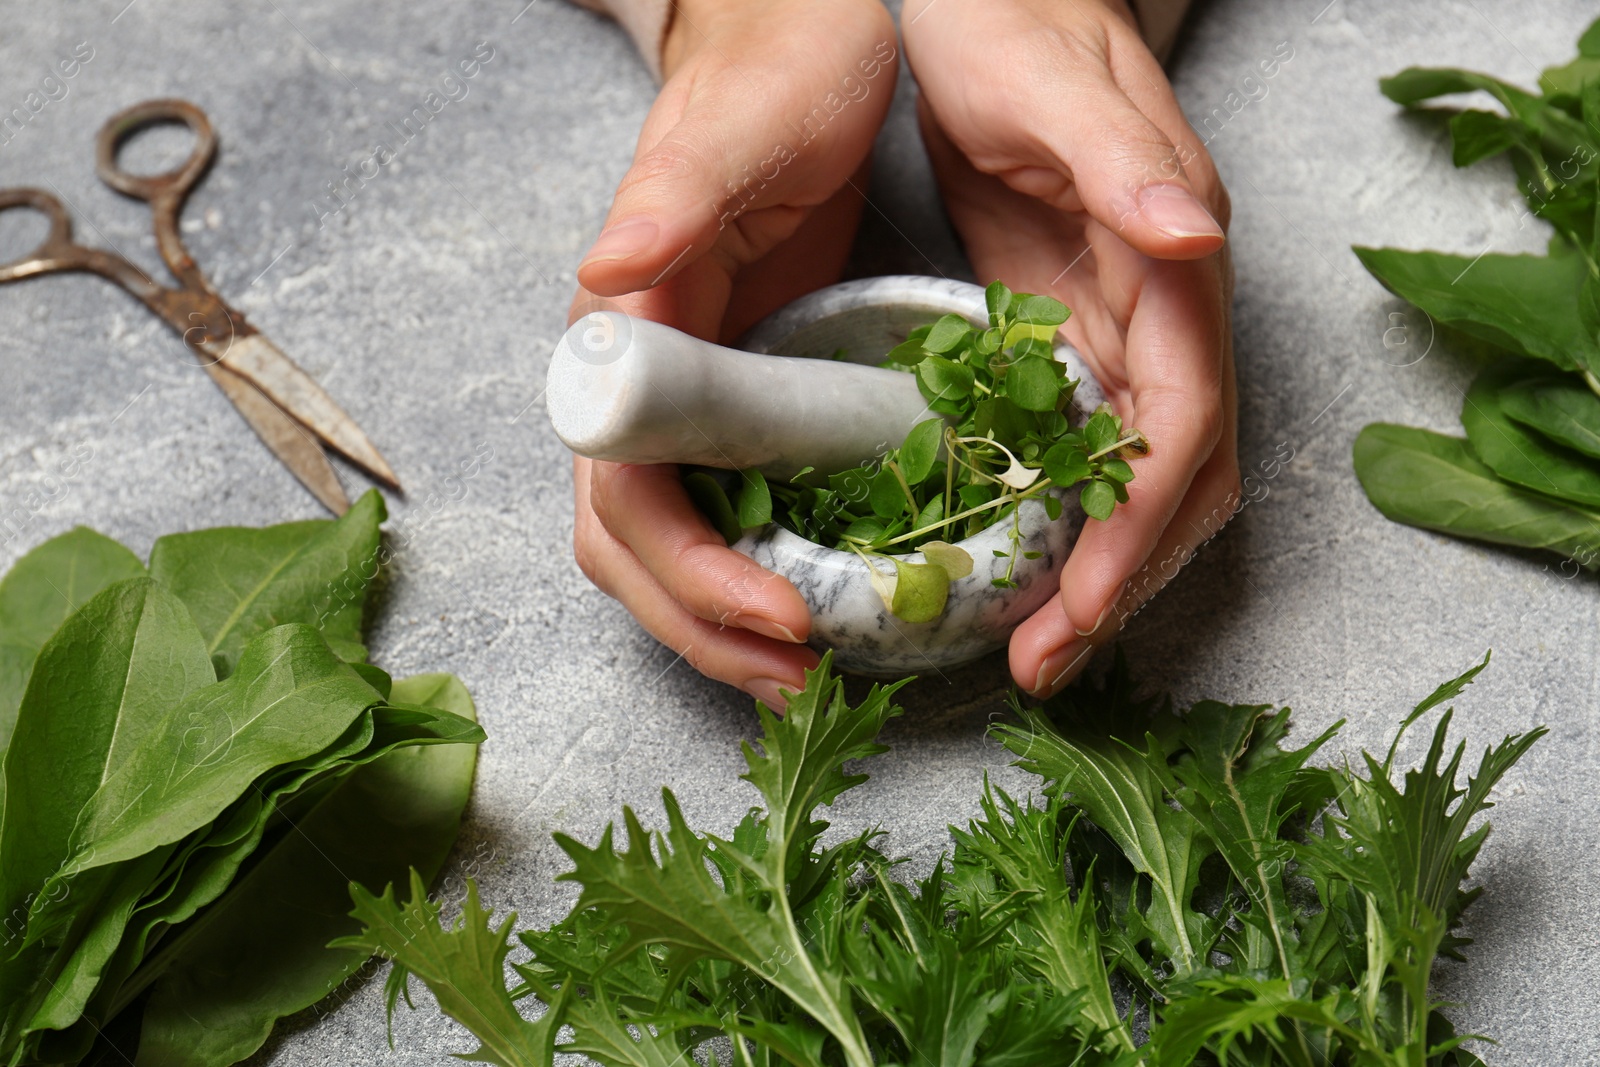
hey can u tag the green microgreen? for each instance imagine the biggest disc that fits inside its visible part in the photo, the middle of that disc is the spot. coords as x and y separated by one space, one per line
1000 434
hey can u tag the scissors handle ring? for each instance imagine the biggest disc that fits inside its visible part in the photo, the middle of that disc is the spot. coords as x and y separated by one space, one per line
174 183
57 245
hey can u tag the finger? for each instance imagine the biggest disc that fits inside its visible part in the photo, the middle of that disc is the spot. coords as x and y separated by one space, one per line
1140 77
1179 375
741 157
758 665
1128 175
1047 652
645 507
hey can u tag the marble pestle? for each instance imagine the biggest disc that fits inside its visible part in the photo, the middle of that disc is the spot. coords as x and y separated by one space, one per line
634 391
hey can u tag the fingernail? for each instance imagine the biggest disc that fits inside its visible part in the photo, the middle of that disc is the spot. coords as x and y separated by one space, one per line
1110 604
770 692
1173 210
768 628
1056 665
623 240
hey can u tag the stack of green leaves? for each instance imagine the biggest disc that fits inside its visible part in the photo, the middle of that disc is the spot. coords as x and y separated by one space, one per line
1185 890
1528 472
198 761
1001 435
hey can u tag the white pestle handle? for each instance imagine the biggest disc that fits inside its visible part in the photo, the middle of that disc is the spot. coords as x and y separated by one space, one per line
634 391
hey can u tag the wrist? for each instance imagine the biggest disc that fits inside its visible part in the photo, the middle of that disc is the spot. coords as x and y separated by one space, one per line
690 24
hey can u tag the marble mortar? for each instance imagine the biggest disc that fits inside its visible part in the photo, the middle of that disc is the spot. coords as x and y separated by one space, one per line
866 318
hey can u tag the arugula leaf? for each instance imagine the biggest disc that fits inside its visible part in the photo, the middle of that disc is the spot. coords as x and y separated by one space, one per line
1527 304
241 581
400 811
1429 480
37 595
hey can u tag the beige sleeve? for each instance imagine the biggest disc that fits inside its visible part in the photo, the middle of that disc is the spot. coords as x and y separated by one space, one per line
1160 21
645 20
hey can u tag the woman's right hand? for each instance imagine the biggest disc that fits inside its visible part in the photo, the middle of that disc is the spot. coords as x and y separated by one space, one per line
744 194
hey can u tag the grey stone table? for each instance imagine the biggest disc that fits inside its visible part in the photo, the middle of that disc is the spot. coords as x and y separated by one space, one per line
428 302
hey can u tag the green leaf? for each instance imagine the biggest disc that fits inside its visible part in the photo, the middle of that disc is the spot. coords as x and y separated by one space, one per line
1100 432
397 813
98 687
661 890
1562 409
1042 311
1066 464
887 498
1020 849
944 379
1435 482
997 298
1098 500
755 500
1478 135
463 966
1118 470
37 595
1527 304
1233 779
920 590
948 332
1079 751
1032 384
289 699
921 450
708 495
239 581
909 353
956 561
1517 455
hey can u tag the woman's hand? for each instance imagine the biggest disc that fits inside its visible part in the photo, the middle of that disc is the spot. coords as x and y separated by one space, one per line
744 194
1069 169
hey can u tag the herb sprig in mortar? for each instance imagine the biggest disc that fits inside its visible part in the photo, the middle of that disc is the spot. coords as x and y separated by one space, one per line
999 436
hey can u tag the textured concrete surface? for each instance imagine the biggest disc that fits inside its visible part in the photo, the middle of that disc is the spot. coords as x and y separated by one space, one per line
427 305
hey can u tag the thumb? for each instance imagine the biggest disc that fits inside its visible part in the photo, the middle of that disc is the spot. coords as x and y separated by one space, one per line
1131 177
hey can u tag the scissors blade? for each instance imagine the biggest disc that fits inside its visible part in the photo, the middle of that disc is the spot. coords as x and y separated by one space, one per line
257 359
286 437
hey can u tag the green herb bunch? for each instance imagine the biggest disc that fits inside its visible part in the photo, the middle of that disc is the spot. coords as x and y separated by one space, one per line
1185 889
1528 472
197 761
1000 436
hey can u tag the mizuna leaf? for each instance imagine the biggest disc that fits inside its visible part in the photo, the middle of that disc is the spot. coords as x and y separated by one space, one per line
240 581
1113 784
1233 777
463 966
661 890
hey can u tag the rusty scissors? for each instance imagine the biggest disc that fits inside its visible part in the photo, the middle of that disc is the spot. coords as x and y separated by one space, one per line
285 406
